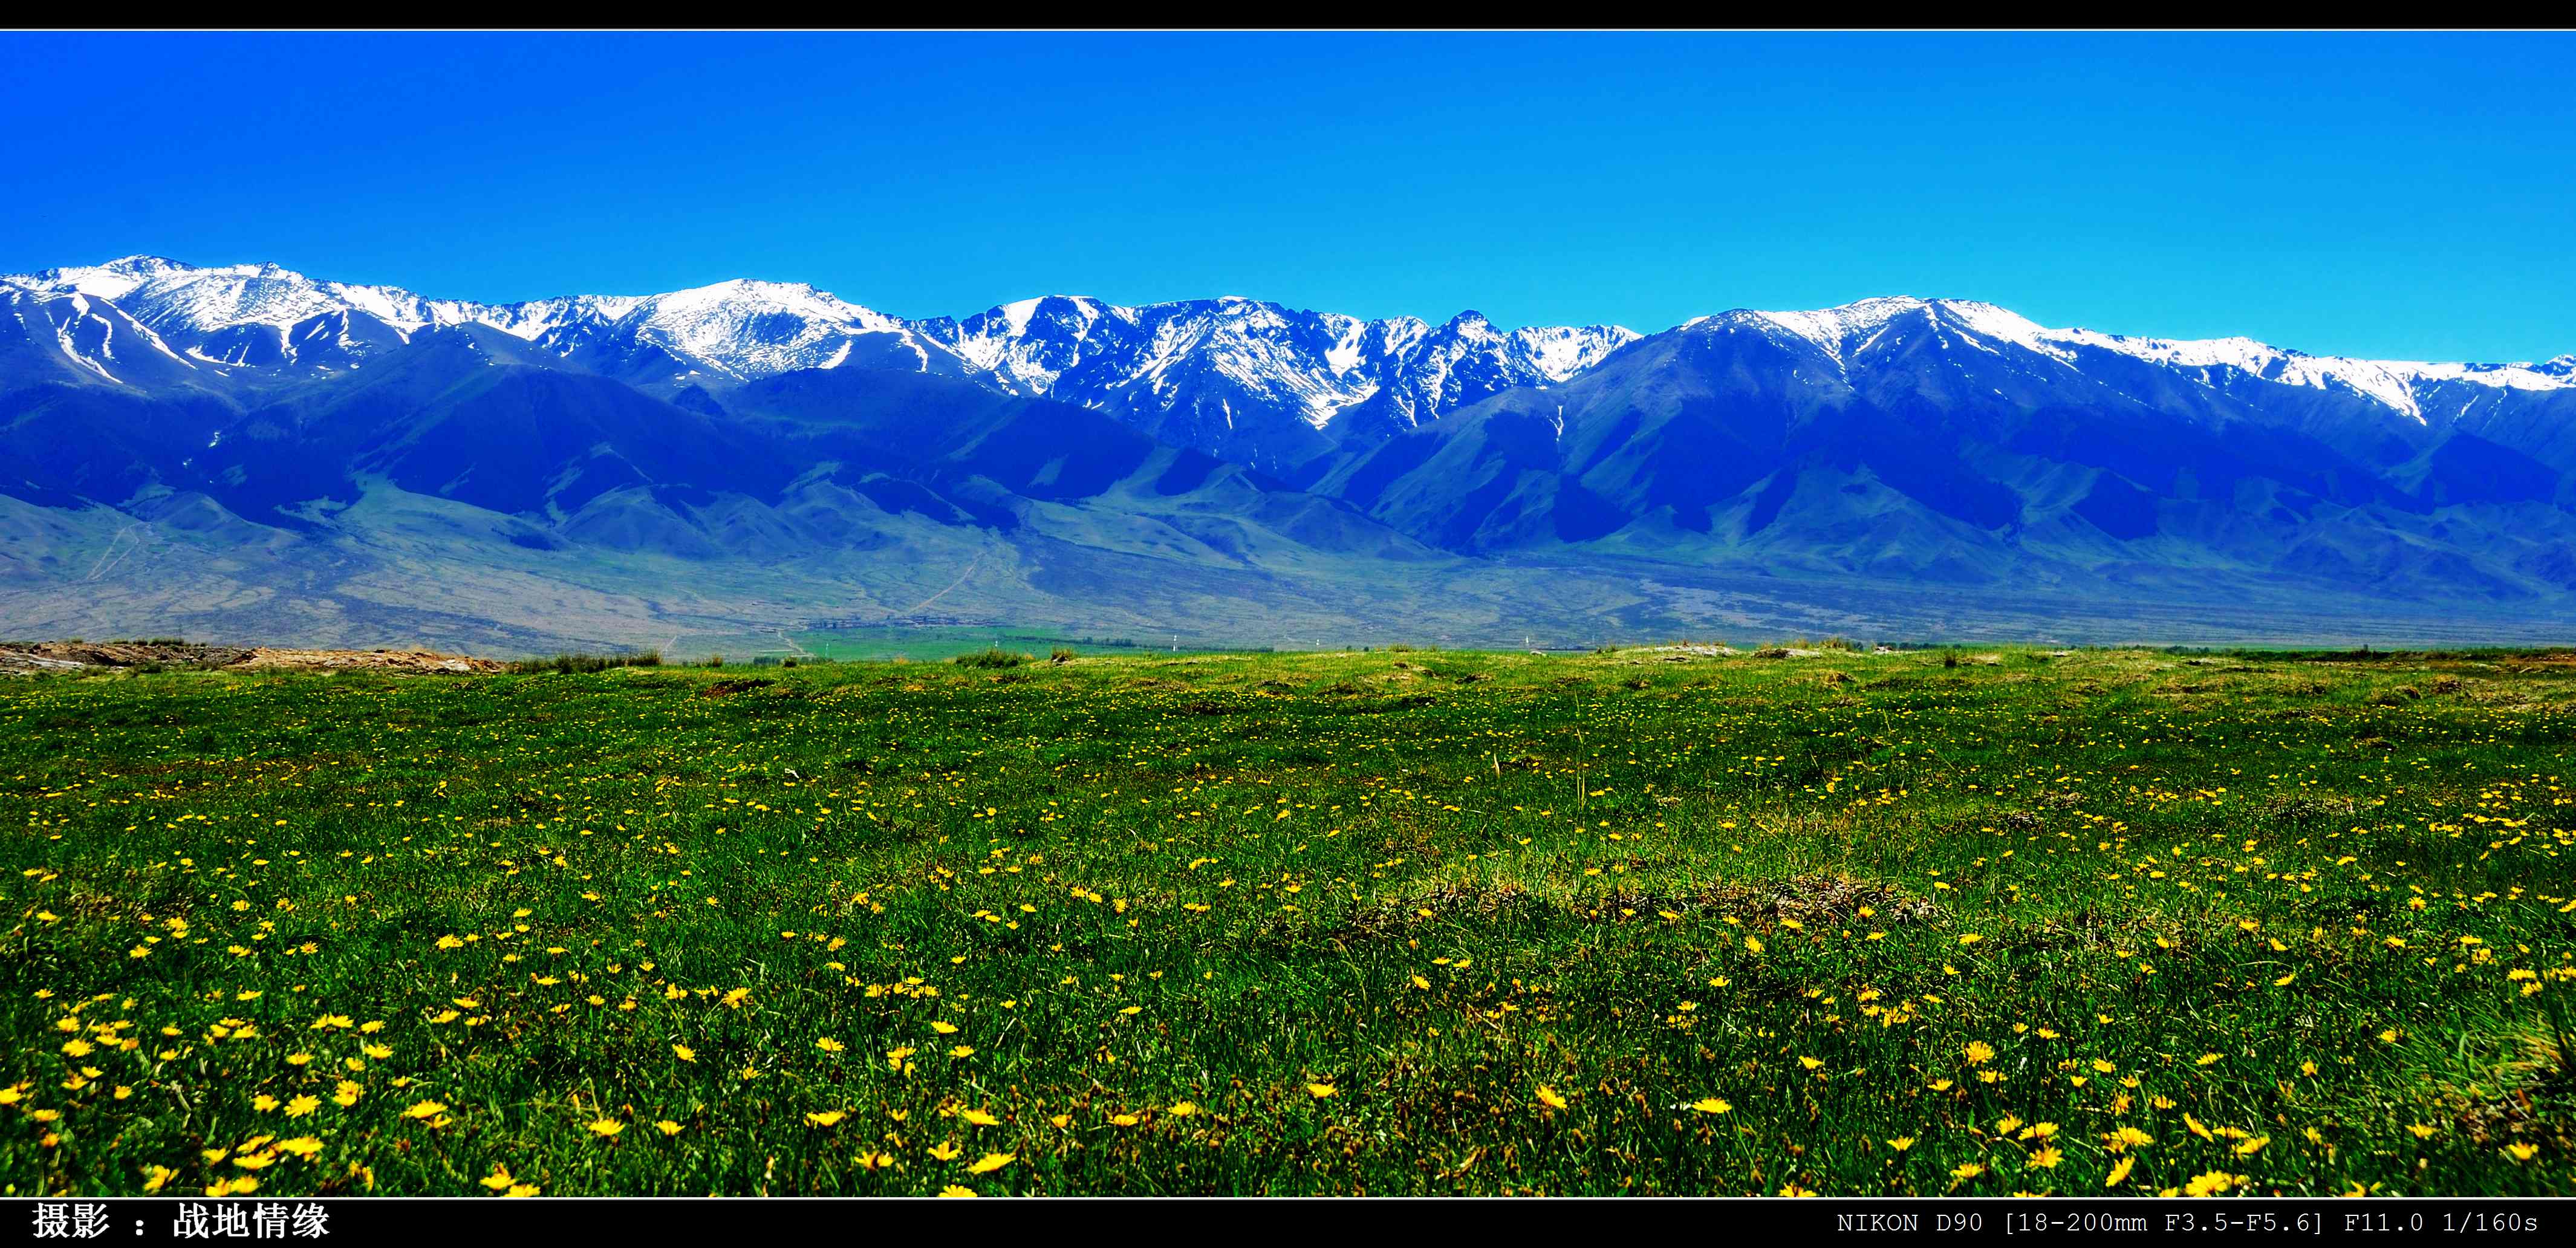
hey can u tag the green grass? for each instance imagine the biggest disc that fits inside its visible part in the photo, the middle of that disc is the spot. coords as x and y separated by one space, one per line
569 663
934 644
1625 922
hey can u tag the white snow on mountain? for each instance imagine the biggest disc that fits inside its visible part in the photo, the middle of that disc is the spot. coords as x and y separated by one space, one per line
1843 332
1232 355
190 298
537 318
1315 364
1559 352
747 329
1075 348
1255 346
1835 329
740 329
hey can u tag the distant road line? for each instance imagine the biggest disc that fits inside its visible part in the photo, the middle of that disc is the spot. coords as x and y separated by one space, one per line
961 579
118 547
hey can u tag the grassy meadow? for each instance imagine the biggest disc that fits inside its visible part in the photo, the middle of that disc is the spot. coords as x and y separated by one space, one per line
1649 920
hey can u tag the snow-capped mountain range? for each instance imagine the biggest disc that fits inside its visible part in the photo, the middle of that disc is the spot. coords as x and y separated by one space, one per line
1238 377
1849 332
1119 452
1243 379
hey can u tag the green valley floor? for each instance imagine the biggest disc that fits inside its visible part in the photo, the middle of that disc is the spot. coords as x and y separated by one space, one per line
1652 920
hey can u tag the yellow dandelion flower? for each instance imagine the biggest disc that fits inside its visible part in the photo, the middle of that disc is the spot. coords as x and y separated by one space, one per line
2210 1184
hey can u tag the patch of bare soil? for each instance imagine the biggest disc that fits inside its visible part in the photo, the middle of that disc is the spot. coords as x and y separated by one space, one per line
74 656
1819 898
370 660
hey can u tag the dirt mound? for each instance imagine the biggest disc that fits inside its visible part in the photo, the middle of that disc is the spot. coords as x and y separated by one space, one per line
1820 898
72 656
1680 653
370 660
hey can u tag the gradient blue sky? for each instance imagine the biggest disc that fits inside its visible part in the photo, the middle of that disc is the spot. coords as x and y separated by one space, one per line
2409 196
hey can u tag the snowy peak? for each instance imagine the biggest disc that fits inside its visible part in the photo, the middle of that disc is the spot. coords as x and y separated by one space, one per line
1238 377
1205 371
1224 367
747 329
1559 353
1844 334
539 320
1026 346
112 280
2399 385
228 315
188 297
743 299
1470 324
1835 329
1846 331
1468 359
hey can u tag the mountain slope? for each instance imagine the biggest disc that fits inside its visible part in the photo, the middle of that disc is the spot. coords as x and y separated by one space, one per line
259 444
1956 442
1252 382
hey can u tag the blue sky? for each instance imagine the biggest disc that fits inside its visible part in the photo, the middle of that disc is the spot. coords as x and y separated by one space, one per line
2407 196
